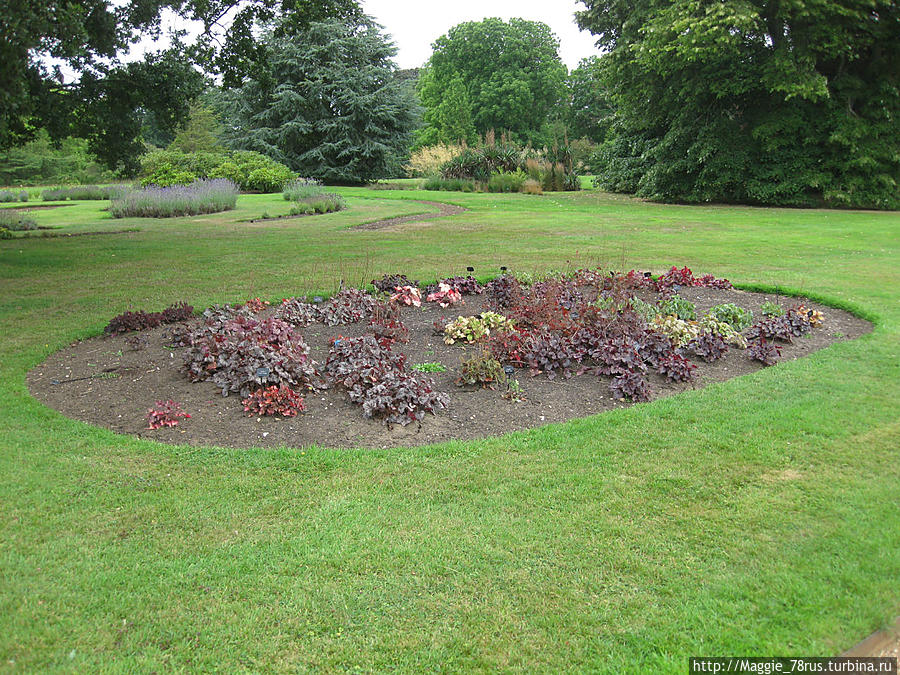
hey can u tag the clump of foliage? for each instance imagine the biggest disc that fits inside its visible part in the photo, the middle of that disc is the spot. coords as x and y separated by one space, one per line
387 325
724 330
302 188
685 277
474 328
389 282
250 171
16 221
631 385
256 305
410 296
481 368
298 312
328 202
675 305
771 309
349 305
815 317
428 160
503 291
737 317
765 351
445 295
84 192
678 330
201 197
245 353
643 309
784 328
167 176
8 196
709 346
439 184
549 352
676 368
507 181
429 367
274 400
165 414
127 322
467 285
375 378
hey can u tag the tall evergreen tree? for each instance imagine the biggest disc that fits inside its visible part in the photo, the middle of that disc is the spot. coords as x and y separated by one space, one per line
328 104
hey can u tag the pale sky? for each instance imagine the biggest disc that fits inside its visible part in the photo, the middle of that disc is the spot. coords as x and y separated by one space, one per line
414 26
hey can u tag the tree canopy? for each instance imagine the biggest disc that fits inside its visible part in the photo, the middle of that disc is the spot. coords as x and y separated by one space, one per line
765 101
508 73
61 63
329 104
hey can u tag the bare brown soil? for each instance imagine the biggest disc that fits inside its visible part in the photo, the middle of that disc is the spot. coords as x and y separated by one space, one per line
106 382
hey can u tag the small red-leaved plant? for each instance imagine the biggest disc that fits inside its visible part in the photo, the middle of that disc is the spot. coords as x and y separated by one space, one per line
407 295
445 295
165 414
274 400
256 305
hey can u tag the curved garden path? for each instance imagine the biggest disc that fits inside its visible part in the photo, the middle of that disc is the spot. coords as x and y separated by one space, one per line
443 210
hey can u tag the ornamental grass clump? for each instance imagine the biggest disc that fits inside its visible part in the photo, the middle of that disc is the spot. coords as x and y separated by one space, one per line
302 188
202 196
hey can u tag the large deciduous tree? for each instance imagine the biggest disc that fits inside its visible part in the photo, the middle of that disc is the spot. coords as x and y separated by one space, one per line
329 104
511 74
759 101
61 63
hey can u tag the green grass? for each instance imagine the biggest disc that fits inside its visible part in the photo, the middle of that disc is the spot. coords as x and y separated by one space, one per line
756 516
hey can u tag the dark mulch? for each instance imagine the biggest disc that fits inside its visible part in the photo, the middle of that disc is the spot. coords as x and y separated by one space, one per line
105 382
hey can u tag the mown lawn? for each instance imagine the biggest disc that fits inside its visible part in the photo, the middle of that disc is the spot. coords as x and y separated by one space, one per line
759 516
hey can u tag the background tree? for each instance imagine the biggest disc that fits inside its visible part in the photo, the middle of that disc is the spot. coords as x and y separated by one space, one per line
202 132
60 67
590 110
511 72
328 104
761 101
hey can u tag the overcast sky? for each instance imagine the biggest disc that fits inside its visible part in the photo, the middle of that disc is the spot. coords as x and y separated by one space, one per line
415 25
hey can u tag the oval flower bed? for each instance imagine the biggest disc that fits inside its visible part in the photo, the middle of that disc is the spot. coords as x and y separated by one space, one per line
409 365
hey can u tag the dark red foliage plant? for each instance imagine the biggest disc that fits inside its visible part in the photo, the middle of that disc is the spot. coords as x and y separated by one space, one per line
676 368
709 346
764 351
631 385
141 320
165 414
275 400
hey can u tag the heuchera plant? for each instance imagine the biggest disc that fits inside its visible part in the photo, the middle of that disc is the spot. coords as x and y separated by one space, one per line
631 385
244 353
165 414
347 306
676 368
256 305
275 400
376 378
445 295
407 295
708 346
298 312
389 282
467 285
140 320
764 351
